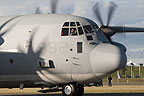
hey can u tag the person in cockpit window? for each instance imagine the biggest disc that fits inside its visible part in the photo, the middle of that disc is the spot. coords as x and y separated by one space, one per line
73 32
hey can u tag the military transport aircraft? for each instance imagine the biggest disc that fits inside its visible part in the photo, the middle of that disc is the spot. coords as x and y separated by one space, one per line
58 51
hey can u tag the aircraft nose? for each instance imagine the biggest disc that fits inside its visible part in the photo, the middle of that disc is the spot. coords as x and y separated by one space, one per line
107 58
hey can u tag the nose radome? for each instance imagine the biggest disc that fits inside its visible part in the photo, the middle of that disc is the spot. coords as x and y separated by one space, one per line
106 58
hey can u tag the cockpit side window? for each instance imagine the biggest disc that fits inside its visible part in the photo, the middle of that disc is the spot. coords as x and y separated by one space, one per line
88 29
89 37
79 27
80 30
65 29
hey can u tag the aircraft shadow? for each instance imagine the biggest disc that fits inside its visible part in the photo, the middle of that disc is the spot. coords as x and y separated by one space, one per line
115 94
88 94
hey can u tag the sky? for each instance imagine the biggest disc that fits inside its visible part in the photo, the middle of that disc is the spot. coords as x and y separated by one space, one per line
128 13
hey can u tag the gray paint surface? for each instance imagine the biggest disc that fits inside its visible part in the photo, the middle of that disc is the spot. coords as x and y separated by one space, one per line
37 38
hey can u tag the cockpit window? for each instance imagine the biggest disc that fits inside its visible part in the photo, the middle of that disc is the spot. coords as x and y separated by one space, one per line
65 32
66 24
88 29
89 37
72 24
80 30
95 26
73 32
78 24
72 29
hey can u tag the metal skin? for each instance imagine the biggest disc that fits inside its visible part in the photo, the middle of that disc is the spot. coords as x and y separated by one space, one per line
36 39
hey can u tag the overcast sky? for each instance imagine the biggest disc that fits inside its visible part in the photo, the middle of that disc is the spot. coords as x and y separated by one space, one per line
128 13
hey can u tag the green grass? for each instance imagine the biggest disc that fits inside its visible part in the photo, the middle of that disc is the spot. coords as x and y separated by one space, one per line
127 72
124 73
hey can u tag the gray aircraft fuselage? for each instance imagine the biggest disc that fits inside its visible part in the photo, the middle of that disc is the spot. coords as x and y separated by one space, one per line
34 52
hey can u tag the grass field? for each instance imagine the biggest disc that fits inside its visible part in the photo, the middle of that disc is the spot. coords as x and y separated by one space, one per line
116 89
105 89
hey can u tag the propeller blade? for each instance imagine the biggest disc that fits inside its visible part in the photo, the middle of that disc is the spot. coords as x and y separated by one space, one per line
112 30
97 14
7 30
38 11
119 29
53 6
111 11
5 23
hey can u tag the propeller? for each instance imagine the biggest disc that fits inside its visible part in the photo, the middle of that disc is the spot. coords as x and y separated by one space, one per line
105 28
112 8
38 11
7 30
53 6
9 20
97 13
108 30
